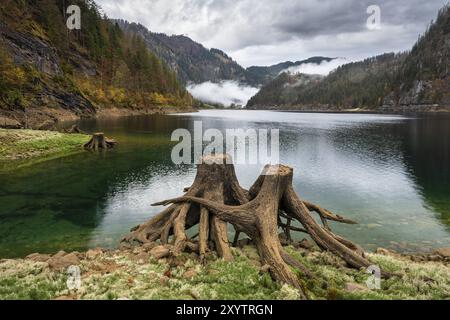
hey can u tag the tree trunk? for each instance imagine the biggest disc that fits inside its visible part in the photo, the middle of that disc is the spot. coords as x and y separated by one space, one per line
99 141
216 199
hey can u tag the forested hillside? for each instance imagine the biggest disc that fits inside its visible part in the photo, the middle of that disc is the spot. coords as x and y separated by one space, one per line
263 75
424 76
418 80
282 90
190 60
354 85
48 72
194 63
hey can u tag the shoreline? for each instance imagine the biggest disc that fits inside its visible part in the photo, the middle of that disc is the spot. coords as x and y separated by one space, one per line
139 274
51 118
404 111
21 148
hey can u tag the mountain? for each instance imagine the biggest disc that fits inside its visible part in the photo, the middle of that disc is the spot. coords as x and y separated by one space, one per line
192 62
354 85
423 80
418 80
264 75
281 91
48 73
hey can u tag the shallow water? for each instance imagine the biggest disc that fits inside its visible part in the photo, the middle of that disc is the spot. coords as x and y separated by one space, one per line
390 173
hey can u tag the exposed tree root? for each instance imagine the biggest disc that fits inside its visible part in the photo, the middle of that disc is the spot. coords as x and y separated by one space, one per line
216 199
99 141
74 129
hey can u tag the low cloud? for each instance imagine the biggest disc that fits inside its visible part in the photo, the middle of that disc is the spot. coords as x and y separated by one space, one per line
265 32
225 93
323 68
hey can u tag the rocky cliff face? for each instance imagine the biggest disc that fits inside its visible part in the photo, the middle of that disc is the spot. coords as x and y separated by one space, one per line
423 81
48 73
47 99
26 49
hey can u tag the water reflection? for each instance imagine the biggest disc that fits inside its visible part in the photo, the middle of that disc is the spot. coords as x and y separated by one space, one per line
387 172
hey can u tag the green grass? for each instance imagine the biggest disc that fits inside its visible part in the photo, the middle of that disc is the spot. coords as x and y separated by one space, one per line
20 148
128 278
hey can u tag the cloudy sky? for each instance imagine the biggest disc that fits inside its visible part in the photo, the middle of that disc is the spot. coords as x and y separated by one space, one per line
264 32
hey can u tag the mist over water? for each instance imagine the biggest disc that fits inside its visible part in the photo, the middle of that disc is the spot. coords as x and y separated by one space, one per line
226 93
322 69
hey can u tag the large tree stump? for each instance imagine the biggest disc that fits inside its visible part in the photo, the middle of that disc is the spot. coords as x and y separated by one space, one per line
99 141
215 181
216 199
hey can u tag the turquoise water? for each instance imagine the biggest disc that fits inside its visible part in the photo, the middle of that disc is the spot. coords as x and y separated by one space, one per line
390 173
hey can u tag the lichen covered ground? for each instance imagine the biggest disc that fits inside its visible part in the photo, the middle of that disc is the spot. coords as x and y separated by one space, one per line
136 274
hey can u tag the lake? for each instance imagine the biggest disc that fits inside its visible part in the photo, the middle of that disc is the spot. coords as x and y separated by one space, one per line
390 173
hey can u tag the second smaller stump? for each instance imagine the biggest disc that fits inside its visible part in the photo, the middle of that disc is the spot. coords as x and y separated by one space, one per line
99 141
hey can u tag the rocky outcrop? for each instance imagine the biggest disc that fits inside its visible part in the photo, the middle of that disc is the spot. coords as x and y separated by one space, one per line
28 49
53 101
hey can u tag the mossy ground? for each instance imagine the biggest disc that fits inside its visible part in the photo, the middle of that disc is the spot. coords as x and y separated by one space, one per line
135 274
25 147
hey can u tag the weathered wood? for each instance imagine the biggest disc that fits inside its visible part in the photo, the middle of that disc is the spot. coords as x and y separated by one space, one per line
99 141
216 199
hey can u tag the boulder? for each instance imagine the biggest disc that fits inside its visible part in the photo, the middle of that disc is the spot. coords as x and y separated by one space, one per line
37 257
61 262
93 253
9 123
159 252
141 258
443 252
190 273
60 254
149 246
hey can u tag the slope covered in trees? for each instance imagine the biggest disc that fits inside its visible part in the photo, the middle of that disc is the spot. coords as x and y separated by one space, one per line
194 63
190 60
424 76
418 80
354 85
263 75
75 73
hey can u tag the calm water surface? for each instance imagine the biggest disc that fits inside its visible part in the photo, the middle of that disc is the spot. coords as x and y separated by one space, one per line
390 173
